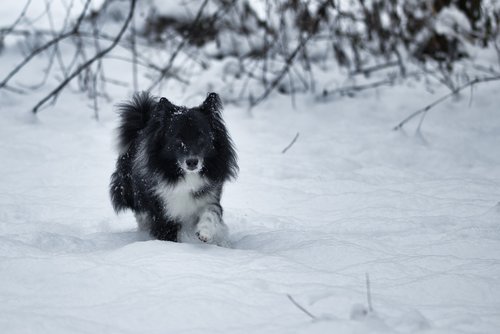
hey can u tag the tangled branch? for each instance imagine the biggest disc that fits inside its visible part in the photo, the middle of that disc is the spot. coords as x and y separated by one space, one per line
46 46
166 69
285 48
89 62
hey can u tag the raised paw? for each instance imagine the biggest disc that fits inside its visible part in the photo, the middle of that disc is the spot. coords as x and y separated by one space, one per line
207 230
204 236
210 229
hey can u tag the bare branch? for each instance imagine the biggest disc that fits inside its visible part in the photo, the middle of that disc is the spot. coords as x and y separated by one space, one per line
57 52
371 69
8 30
284 70
349 90
184 41
89 62
428 107
133 47
94 91
47 45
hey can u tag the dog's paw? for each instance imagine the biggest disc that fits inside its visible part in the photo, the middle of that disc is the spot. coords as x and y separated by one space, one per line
205 235
211 229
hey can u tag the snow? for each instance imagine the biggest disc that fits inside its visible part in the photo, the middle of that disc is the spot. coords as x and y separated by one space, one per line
36 11
419 215
452 21
418 212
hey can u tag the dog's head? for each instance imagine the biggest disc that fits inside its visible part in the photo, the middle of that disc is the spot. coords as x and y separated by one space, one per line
195 139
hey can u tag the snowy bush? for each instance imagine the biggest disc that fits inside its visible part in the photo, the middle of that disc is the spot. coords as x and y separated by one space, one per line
253 48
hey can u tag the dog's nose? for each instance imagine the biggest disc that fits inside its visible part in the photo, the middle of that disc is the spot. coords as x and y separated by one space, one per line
192 163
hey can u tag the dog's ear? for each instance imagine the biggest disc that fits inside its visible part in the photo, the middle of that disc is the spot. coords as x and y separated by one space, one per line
165 104
164 108
212 104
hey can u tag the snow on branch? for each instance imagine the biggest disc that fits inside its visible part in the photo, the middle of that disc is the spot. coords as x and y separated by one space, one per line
257 48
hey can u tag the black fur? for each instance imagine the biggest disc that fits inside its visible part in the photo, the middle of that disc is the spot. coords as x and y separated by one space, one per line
154 139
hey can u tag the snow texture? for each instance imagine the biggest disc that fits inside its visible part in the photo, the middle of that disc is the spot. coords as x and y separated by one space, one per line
420 213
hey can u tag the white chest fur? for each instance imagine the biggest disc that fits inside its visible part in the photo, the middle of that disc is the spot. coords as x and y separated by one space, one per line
178 198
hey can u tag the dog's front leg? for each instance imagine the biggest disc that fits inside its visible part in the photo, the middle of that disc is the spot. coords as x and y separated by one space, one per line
163 229
210 227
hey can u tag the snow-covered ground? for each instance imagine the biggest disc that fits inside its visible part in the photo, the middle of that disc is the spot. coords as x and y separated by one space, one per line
420 215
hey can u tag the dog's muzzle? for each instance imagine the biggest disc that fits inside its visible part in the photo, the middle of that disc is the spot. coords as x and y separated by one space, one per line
192 164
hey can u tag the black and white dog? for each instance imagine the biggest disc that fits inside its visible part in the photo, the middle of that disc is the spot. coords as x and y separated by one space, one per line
172 164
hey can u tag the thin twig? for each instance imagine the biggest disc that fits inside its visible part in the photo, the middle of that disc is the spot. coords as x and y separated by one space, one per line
292 90
471 96
284 70
349 90
300 307
369 70
14 90
442 98
93 89
115 82
47 45
89 62
165 70
8 30
368 293
291 144
57 51
133 47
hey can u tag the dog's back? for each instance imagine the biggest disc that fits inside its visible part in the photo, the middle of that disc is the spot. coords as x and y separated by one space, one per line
134 116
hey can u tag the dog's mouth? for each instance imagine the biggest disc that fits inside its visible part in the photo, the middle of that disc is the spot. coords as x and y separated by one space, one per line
192 164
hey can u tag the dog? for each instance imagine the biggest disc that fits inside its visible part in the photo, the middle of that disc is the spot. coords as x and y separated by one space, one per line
172 165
